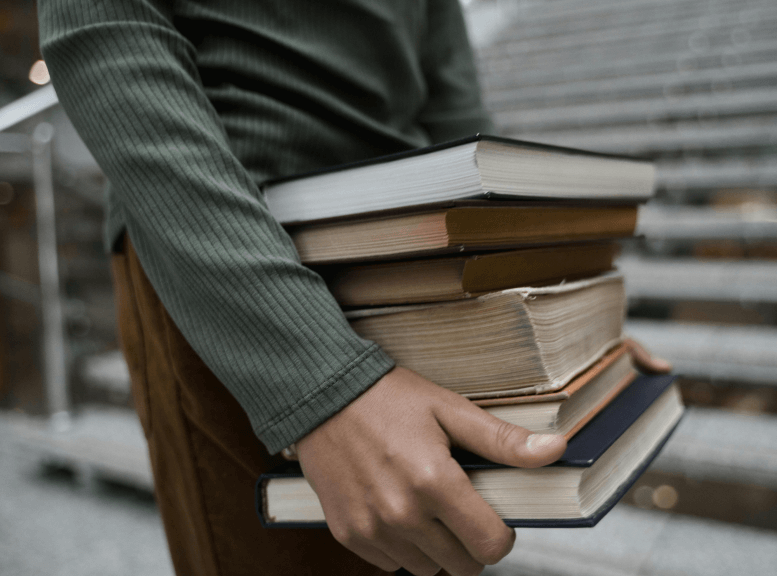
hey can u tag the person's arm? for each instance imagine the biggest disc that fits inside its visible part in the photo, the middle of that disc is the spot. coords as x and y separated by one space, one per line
225 270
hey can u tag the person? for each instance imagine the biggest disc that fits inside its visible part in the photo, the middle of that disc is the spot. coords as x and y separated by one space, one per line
235 349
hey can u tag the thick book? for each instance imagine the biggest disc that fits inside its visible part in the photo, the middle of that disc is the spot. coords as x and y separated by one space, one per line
446 279
599 466
470 226
566 411
477 167
512 342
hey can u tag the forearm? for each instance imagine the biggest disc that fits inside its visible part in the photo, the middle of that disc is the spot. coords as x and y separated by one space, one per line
224 269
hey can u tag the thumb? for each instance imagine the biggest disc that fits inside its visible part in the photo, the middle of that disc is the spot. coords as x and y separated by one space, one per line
474 429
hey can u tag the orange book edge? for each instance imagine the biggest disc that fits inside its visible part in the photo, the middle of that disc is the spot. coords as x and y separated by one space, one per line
606 361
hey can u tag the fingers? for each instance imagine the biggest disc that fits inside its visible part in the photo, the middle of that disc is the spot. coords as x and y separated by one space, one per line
422 552
644 361
390 547
411 558
446 550
476 430
437 521
473 523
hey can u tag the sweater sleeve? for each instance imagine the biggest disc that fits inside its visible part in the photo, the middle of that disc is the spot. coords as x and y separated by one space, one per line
453 107
225 270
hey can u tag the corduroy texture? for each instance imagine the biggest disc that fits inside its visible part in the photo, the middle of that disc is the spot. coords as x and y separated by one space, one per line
188 106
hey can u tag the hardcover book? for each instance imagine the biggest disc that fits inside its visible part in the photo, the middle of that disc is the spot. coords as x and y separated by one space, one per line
477 167
569 409
600 464
469 226
513 342
446 279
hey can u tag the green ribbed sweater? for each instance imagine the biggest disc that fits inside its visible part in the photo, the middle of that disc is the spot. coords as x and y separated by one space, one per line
189 105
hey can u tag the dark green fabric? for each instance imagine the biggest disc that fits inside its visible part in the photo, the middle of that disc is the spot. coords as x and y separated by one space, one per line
189 105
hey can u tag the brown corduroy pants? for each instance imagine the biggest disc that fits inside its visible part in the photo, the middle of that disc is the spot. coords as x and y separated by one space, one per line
204 454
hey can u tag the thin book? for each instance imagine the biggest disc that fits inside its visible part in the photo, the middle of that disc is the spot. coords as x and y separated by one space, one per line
566 411
456 278
467 226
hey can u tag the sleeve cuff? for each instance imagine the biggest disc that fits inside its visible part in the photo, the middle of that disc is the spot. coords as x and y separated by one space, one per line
324 400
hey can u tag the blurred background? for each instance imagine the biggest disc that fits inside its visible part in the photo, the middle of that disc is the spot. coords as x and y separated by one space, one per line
690 84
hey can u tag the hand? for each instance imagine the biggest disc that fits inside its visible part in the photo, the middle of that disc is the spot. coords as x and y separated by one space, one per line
644 361
392 493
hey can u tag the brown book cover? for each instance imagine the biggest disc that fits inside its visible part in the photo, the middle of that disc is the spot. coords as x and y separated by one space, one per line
473 226
446 279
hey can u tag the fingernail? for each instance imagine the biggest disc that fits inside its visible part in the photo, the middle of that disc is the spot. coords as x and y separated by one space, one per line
538 442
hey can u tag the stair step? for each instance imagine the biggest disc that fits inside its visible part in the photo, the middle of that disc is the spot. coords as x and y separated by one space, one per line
743 354
634 542
713 444
720 280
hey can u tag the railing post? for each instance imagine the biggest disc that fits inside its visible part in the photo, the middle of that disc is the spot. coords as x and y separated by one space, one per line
54 357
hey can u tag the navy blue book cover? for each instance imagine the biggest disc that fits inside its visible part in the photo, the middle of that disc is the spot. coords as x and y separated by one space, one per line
582 451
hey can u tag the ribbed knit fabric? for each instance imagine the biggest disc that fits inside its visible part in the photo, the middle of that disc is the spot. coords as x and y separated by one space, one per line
188 106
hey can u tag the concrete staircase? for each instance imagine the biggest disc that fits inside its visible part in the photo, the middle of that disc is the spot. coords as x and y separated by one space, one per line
692 85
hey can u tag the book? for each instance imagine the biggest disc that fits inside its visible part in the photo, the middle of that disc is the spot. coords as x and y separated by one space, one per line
600 464
566 411
512 342
470 226
562 412
480 166
446 279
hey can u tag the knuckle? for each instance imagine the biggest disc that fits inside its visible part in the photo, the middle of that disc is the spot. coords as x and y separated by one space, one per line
356 529
342 534
365 528
494 549
400 514
429 478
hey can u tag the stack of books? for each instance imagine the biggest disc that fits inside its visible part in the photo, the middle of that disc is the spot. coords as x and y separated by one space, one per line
486 265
